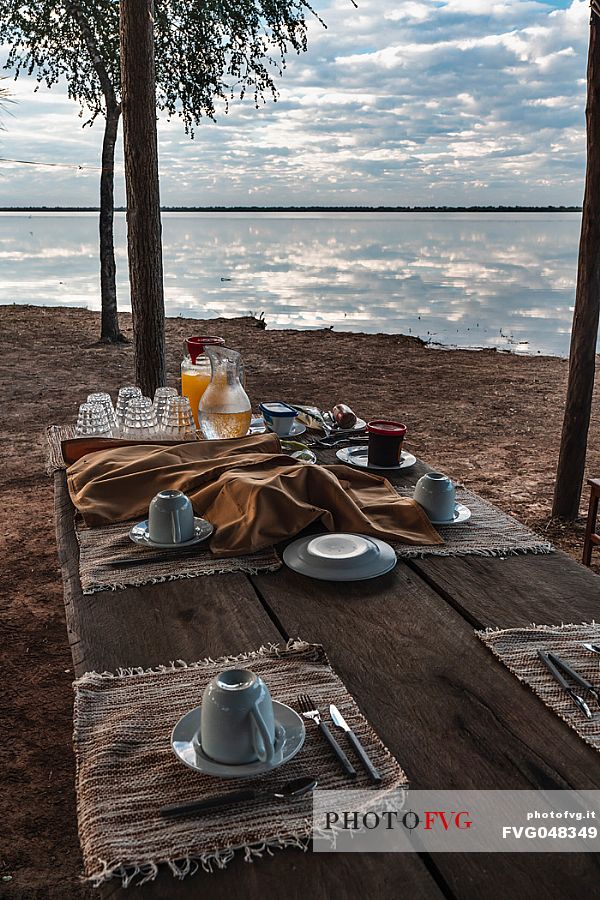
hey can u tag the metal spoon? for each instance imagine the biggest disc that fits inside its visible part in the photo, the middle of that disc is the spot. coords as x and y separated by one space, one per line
298 787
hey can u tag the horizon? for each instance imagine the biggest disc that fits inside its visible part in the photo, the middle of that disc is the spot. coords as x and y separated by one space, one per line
311 208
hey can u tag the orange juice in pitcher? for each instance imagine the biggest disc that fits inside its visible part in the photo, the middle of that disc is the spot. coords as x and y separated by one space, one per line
195 369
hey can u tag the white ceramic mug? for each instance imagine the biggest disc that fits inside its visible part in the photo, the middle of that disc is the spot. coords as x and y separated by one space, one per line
170 518
282 425
437 495
279 417
237 724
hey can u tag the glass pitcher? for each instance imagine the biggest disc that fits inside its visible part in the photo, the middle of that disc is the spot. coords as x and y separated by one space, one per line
195 369
224 410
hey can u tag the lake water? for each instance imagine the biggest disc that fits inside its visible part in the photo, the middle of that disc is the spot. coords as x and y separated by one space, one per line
469 280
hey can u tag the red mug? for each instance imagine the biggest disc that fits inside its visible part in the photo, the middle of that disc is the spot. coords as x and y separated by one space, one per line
385 443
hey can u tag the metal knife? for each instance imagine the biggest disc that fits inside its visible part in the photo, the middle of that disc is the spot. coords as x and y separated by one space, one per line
339 720
593 648
556 673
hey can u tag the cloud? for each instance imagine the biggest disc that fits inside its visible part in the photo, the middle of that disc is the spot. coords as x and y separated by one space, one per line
445 101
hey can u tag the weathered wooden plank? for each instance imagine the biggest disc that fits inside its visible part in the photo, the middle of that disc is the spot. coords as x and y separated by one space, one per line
509 592
293 875
451 713
190 619
512 592
154 624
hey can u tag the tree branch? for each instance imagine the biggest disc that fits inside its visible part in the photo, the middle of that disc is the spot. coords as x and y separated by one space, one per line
74 9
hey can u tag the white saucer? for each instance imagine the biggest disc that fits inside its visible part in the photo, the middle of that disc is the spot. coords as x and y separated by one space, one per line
461 514
358 457
296 429
359 425
187 748
258 426
139 535
340 557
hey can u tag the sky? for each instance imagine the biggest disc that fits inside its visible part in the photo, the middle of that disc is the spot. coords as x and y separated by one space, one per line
398 102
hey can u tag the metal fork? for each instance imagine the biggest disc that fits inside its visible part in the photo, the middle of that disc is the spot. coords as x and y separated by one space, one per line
310 711
555 671
575 676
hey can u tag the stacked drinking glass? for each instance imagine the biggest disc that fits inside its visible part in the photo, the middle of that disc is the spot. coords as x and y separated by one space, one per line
161 397
140 419
92 419
178 421
106 401
125 395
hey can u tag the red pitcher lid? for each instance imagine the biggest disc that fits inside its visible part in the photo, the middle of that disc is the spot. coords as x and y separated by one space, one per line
197 343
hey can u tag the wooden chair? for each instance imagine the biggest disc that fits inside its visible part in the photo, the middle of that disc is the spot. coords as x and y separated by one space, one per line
591 539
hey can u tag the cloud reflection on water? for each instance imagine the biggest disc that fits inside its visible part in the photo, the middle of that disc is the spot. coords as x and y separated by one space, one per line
485 280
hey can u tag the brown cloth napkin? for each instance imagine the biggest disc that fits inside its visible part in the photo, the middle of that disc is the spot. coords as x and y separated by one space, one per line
253 494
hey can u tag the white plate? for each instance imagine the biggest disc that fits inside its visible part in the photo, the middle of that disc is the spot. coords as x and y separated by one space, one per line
358 457
461 514
139 535
340 557
359 425
189 750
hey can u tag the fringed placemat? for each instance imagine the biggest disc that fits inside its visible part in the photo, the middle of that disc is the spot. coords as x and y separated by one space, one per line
101 549
62 441
55 435
489 532
126 769
517 648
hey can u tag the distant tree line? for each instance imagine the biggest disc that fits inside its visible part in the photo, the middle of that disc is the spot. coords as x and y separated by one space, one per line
356 209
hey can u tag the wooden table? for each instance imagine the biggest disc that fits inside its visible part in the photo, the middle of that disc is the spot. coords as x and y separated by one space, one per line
404 645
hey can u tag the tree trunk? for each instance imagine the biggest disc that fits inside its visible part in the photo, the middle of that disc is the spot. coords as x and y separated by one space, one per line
108 288
110 332
143 199
582 359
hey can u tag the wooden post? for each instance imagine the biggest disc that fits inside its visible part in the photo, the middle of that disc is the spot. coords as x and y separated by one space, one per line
582 358
143 199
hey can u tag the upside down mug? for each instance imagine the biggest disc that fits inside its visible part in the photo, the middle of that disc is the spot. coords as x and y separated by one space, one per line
436 493
237 724
171 518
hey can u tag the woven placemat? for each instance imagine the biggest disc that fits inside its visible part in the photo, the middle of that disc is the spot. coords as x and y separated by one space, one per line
517 649
100 550
126 769
489 532
55 435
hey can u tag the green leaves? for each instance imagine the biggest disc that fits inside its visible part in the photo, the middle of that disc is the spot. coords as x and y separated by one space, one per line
205 51
46 41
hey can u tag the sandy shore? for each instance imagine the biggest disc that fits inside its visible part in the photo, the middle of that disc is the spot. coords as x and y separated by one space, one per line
488 419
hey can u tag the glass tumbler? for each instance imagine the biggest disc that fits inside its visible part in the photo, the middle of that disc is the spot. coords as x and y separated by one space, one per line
93 420
161 397
178 422
125 395
106 400
140 419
